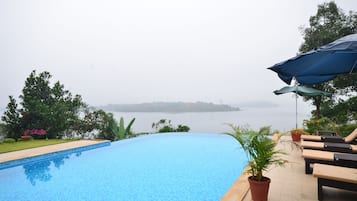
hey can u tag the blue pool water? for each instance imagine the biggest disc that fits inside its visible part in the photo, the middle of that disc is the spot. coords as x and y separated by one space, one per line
167 167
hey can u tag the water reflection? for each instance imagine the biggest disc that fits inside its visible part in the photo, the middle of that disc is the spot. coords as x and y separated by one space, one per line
38 171
41 170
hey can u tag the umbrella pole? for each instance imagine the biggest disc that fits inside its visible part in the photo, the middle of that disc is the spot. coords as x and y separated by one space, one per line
296 119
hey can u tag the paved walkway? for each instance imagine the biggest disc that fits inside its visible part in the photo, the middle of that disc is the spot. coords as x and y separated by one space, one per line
291 183
15 155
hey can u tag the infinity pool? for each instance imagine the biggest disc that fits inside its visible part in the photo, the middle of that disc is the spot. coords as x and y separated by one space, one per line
162 167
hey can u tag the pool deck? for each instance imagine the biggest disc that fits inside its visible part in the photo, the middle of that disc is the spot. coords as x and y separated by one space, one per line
290 182
16 155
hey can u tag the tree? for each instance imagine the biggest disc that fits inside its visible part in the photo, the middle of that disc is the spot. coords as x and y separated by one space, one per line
101 121
51 108
108 127
55 109
329 24
43 107
92 121
341 111
12 119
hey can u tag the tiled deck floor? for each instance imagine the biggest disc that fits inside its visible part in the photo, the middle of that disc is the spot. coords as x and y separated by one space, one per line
15 155
291 183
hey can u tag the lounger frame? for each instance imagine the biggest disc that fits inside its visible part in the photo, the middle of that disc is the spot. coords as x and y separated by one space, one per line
342 163
335 184
334 147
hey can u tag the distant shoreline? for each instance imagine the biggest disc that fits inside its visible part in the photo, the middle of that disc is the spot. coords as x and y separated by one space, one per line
170 107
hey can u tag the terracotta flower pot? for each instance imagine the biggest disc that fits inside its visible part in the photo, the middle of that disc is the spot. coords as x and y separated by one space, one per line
296 136
259 189
26 137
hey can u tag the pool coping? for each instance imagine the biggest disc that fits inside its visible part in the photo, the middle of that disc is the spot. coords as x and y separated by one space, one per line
50 149
238 190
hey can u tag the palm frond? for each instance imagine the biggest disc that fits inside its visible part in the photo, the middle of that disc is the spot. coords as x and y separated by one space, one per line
260 149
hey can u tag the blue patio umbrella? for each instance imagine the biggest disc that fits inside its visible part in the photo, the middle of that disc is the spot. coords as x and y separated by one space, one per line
302 91
321 65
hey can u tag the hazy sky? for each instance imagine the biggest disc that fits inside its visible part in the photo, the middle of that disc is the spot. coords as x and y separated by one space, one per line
132 51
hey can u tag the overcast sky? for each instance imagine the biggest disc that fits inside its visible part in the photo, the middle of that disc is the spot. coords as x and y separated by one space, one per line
133 51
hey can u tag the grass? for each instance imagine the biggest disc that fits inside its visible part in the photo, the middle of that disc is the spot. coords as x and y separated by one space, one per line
21 145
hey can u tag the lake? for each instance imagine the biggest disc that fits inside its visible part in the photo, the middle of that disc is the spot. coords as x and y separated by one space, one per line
280 118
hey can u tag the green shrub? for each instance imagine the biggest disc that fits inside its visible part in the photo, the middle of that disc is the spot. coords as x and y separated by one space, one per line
9 140
347 129
323 123
165 126
182 128
166 129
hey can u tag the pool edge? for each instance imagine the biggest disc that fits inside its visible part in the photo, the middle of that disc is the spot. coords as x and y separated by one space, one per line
238 190
50 149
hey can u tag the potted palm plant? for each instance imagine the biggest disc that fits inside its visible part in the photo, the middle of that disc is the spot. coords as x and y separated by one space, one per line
261 153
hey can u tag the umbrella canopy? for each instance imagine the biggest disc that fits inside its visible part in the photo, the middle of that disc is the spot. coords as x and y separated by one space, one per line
302 91
321 65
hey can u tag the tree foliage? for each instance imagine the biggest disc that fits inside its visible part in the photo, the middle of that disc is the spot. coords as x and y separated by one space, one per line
51 108
2 130
165 126
329 24
12 119
54 109
103 122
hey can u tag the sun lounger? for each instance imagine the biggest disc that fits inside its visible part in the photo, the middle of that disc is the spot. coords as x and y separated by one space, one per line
326 132
350 139
329 146
276 137
325 157
336 177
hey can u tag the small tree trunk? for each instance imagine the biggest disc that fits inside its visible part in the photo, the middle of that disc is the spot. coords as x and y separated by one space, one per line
317 103
259 175
318 111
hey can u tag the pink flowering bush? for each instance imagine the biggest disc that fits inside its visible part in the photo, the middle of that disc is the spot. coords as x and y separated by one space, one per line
36 133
